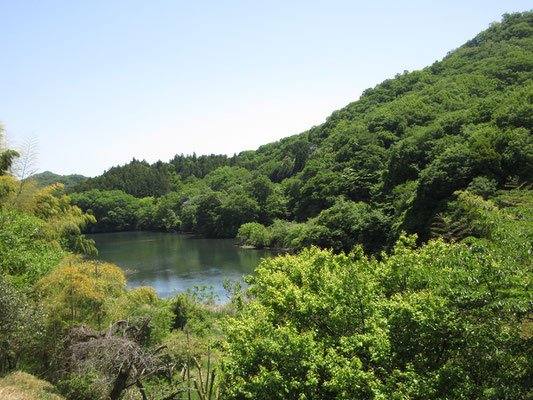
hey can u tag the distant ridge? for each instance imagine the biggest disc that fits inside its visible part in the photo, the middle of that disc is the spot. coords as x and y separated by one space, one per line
47 178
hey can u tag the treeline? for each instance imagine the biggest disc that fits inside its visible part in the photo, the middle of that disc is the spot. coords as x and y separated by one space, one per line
387 162
215 206
141 179
137 178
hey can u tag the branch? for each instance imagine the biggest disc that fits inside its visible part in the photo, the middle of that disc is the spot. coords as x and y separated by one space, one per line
112 327
159 349
139 338
141 389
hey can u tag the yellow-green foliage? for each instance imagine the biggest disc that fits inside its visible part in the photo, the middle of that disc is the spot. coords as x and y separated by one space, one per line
64 221
77 290
94 293
51 203
440 321
22 386
117 308
8 187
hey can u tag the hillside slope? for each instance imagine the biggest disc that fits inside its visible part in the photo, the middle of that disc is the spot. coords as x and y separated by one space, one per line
48 178
385 163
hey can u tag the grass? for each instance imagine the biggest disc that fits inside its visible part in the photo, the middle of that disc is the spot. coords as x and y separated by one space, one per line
22 386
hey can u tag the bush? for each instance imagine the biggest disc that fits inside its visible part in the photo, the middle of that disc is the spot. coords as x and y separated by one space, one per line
190 310
323 326
253 234
81 387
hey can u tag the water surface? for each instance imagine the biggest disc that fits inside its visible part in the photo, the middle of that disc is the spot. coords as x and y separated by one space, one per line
172 262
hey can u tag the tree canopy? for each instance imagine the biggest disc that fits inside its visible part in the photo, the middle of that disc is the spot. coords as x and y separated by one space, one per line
444 320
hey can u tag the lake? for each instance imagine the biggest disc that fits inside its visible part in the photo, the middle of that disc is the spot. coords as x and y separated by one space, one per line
172 262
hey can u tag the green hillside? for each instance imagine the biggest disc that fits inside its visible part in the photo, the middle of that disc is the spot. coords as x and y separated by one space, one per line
48 178
387 162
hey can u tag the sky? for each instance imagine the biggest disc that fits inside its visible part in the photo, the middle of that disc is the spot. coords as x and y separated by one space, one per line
97 83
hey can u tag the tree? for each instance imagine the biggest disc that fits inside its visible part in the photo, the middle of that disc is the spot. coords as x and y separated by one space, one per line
207 212
24 166
20 323
78 290
349 223
8 184
64 220
235 210
6 160
26 253
114 210
253 234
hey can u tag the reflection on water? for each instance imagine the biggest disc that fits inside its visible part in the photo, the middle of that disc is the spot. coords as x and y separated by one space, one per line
170 262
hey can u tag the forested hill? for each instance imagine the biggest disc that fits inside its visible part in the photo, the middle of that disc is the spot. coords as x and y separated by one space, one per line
48 178
390 161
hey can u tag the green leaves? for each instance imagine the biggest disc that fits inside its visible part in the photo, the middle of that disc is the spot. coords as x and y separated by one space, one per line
21 322
320 325
25 252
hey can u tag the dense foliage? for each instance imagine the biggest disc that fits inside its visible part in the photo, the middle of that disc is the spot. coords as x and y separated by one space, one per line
389 161
437 322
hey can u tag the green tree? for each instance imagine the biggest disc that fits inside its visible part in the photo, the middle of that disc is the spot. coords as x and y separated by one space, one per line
114 210
349 223
253 234
78 290
26 253
21 324
236 209
320 325
207 212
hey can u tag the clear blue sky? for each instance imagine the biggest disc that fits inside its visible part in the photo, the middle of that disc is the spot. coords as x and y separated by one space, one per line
100 82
